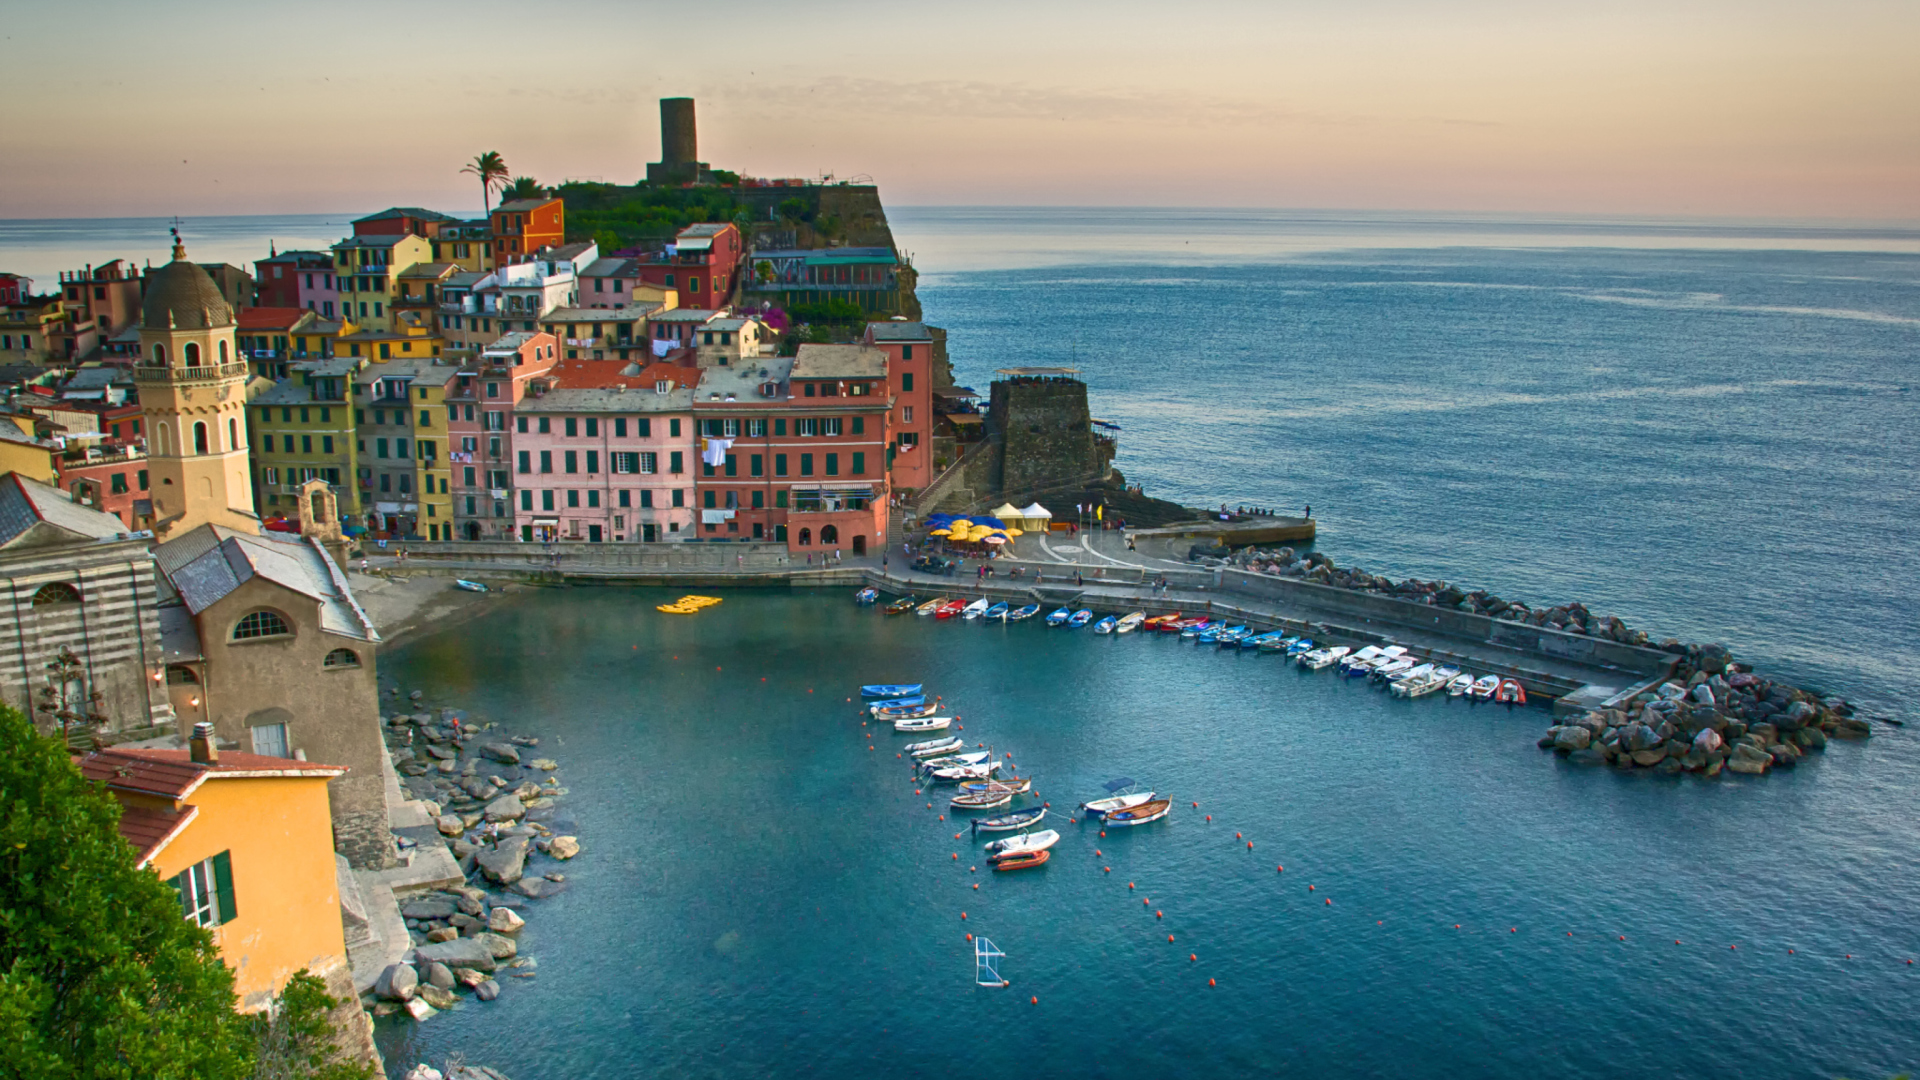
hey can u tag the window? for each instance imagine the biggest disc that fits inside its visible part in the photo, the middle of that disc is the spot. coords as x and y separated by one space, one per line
467 478
526 499
733 466
830 425
623 463
780 501
676 460
493 389
593 429
546 425
828 389
546 461
810 390
399 448
206 891
673 431
341 658
806 464
573 498
571 458
626 498
679 497
573 427
259 624
756 429
779 427
526 461
708 498
118 483
646 498
759 499
644 427
833 464
593 462
546 499
58 592
906 382
803 428
779 464
755 465
521 423
649 462
859 425
270 740
859 463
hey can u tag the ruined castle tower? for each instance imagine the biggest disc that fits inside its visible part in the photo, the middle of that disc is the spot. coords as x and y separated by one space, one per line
679 147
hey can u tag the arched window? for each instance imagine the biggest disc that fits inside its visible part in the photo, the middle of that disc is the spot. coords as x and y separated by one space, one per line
260 624
86 494
57 593
233 434
806 537
318 513
193 354
162 440
181 675
829 535
159 353
199 437
223 352
341 658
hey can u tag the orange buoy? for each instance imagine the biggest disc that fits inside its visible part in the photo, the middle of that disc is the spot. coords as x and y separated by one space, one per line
1048 805
969 937
973 869
1036 1001
1789 951
1456 926
1103 834
1309 888
1146 901
963 915
943 817
1569 933
1096 851
1249 845
1279 869
929 805
1623 937
1169 938
1236 836
1210 982
1513 929
1129 884
1676 941
1108 869
1194 957
1733 948
1162 915
956 856
916 791
956 836
1329 902
1196 806
976 885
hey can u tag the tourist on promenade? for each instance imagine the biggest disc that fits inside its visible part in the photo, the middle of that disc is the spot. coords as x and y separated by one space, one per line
1309 509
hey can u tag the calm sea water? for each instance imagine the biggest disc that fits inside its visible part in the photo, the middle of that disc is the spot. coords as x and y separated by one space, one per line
761 894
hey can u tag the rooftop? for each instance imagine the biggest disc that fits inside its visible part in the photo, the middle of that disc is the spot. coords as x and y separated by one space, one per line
519 206
434 271
421 369
25 503
406 211
578 315
688 315
899 331
612 268
748 382
615 386
270 318
378 240
206 564
839 362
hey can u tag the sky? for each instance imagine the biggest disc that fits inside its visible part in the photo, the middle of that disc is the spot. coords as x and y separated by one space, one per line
1753 108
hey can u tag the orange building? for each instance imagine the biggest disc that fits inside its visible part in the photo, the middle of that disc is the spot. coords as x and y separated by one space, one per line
521 227
248 842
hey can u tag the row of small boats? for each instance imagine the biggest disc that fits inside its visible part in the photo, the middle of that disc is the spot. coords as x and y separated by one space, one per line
941 607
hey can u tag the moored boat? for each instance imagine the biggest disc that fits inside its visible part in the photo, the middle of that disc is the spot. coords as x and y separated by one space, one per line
1320 658
1280 644
1139 815
902 605
1195 628
985 800
997 611
1130 622
1059 618
949 609
1484 686
1510 692
907 712
1011 846
1365 655
1027 612
1080 618
891 690
1024 860
1160 622
1459 685
470 586
930 606
1106 625
945 744
867 595
975 609
972 758
1015 784
923 723
1120 795
1019 819
951 773
1300 647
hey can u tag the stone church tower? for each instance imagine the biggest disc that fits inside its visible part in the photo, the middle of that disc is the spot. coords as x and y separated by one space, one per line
193 395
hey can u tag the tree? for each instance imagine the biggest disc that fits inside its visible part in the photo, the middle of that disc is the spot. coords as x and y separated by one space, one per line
523 187
295 1041
100 977
491 168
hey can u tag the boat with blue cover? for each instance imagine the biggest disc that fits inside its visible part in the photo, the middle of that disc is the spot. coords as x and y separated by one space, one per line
1301 647
1255 641
1106 625
867 595
1279 644
1080 618
1138 815
1027 612
897 703
1059 618
891 690
997 611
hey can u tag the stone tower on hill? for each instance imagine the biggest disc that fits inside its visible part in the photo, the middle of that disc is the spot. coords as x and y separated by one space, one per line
193 396
679 146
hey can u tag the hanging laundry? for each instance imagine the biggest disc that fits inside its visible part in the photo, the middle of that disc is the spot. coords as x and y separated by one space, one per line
716 452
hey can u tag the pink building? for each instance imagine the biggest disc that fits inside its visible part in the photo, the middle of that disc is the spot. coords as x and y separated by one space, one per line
909 350
481 403
604 451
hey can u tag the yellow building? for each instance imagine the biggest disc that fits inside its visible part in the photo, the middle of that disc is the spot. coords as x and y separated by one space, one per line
409 335
21 452
193 393
405 450
248 841
469 244
367 270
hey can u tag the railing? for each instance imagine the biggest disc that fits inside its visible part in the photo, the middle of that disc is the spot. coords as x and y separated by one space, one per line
204 373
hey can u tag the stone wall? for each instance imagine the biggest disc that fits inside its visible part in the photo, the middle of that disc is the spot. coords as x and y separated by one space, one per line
1048 432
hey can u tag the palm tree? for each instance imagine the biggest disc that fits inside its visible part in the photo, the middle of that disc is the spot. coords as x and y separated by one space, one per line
524 187
491 168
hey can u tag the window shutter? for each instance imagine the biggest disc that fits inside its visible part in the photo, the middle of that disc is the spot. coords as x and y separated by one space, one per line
181 885
223 886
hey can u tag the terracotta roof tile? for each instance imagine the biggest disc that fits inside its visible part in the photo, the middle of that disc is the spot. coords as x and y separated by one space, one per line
149 830
174 774
268 318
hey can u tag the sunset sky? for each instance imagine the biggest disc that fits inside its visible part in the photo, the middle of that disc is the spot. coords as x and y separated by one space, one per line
1753 108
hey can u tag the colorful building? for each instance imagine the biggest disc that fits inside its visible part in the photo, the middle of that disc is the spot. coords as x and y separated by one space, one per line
266 337
787 278
701 264
297 279
521 227
617 283
404 221
909 349
367 271
302 429
487 393
600 333
466 244
107 295
402 439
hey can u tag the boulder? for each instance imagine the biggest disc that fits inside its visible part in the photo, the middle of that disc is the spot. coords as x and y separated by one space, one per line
1572 737
505 863
449 825
419 1009
566 847
427 909
506 808
469 978
1707 741
437 997
503 753
1649 758
472 904
1640 737
445 933
504 921
538 888
397 982
500 946
545 764
1587 757
423 1072
487 991
439 975
458 953
1749 759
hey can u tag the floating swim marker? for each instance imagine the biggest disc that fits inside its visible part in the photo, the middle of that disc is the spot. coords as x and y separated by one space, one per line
1513 930
1162 915
1210 982
1035 1000
963 915
1096 851
1194 957
1249 845
1169 939
1196 806
969 937
1129 884
1279 869
956 856
1309 888
1329 902
1236 836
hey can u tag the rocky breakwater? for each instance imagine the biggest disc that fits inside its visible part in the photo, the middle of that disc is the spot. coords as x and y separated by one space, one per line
1714 715
495 805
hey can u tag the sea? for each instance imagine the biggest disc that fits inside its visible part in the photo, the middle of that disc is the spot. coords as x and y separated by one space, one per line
1706 427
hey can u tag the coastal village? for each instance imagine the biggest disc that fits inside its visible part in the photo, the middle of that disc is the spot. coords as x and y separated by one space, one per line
195 456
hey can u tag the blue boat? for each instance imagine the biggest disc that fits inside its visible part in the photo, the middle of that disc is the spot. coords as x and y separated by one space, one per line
1106 625
1231 637
891 690
867 595
1300 647
1080 618
1255 641
997 611
1027 612
898 703
1202 628
1059 617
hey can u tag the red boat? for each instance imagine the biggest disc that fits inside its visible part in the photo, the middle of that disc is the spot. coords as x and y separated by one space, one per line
1023 860
1159 622
1510 693
1180 625
949 609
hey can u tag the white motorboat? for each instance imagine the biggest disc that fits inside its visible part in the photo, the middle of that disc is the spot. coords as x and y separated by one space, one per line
1459 685
1384 671
1320 658
923 723
938 748
1014 845
1130 622
973 758
1366 655
1103 807
1417 683
1418 671
976 609
1484 686
966 772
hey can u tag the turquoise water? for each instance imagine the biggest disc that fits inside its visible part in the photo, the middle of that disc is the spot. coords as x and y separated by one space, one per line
761 894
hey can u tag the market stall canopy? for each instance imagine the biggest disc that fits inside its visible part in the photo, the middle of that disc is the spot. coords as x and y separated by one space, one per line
1037 511
1006 510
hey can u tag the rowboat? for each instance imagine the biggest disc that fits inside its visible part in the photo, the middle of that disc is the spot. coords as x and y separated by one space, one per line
1280 644
1139 815
986 800
972 758
939 749
1484 686
891 690
1130 622
965 772
1300 647
975 609
997 611
1027 612
867 595
923 723
1059 618
1213 636
940 744
906 712
1160 622
1015 784
470 586
1510 693
1019 819
902 605
1080 618
1195 629
1459 685
1319 658
1122 795
1106 625
1011 846
1232 638
949 609
930 606
895 703
1023 860
1182 625
1255 641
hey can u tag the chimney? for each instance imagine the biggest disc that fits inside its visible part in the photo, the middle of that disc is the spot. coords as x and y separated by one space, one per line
202 747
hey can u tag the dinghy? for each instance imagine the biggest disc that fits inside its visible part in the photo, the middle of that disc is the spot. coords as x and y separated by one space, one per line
1130 622
1139 815
923 723
1027 612
972 758
949 609
1121 794
930 606
891 690
1015 845
1300 647
1012 785
975 609
895 703
1484 686
997 611
1080 618
943 744
1320 658
902 605
1161 622
906 712
953 773
1195 629
1019 819
1459 685
986 800
1510 692
938 750
1278 643
867 595
1059 618
470 586
1024 860
1106 625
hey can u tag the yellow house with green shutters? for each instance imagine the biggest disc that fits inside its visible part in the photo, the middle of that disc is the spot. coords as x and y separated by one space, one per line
367 270
302 429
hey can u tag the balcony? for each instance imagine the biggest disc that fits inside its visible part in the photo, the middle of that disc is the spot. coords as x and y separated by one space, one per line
161 374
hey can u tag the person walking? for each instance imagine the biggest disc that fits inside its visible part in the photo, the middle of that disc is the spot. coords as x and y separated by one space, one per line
1309 510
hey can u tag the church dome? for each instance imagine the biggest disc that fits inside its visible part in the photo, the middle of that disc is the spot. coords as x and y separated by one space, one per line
182 296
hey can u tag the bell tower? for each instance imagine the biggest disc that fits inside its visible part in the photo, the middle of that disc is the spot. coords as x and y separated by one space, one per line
193 396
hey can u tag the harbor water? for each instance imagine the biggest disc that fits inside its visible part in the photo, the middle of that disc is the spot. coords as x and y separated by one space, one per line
762 894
